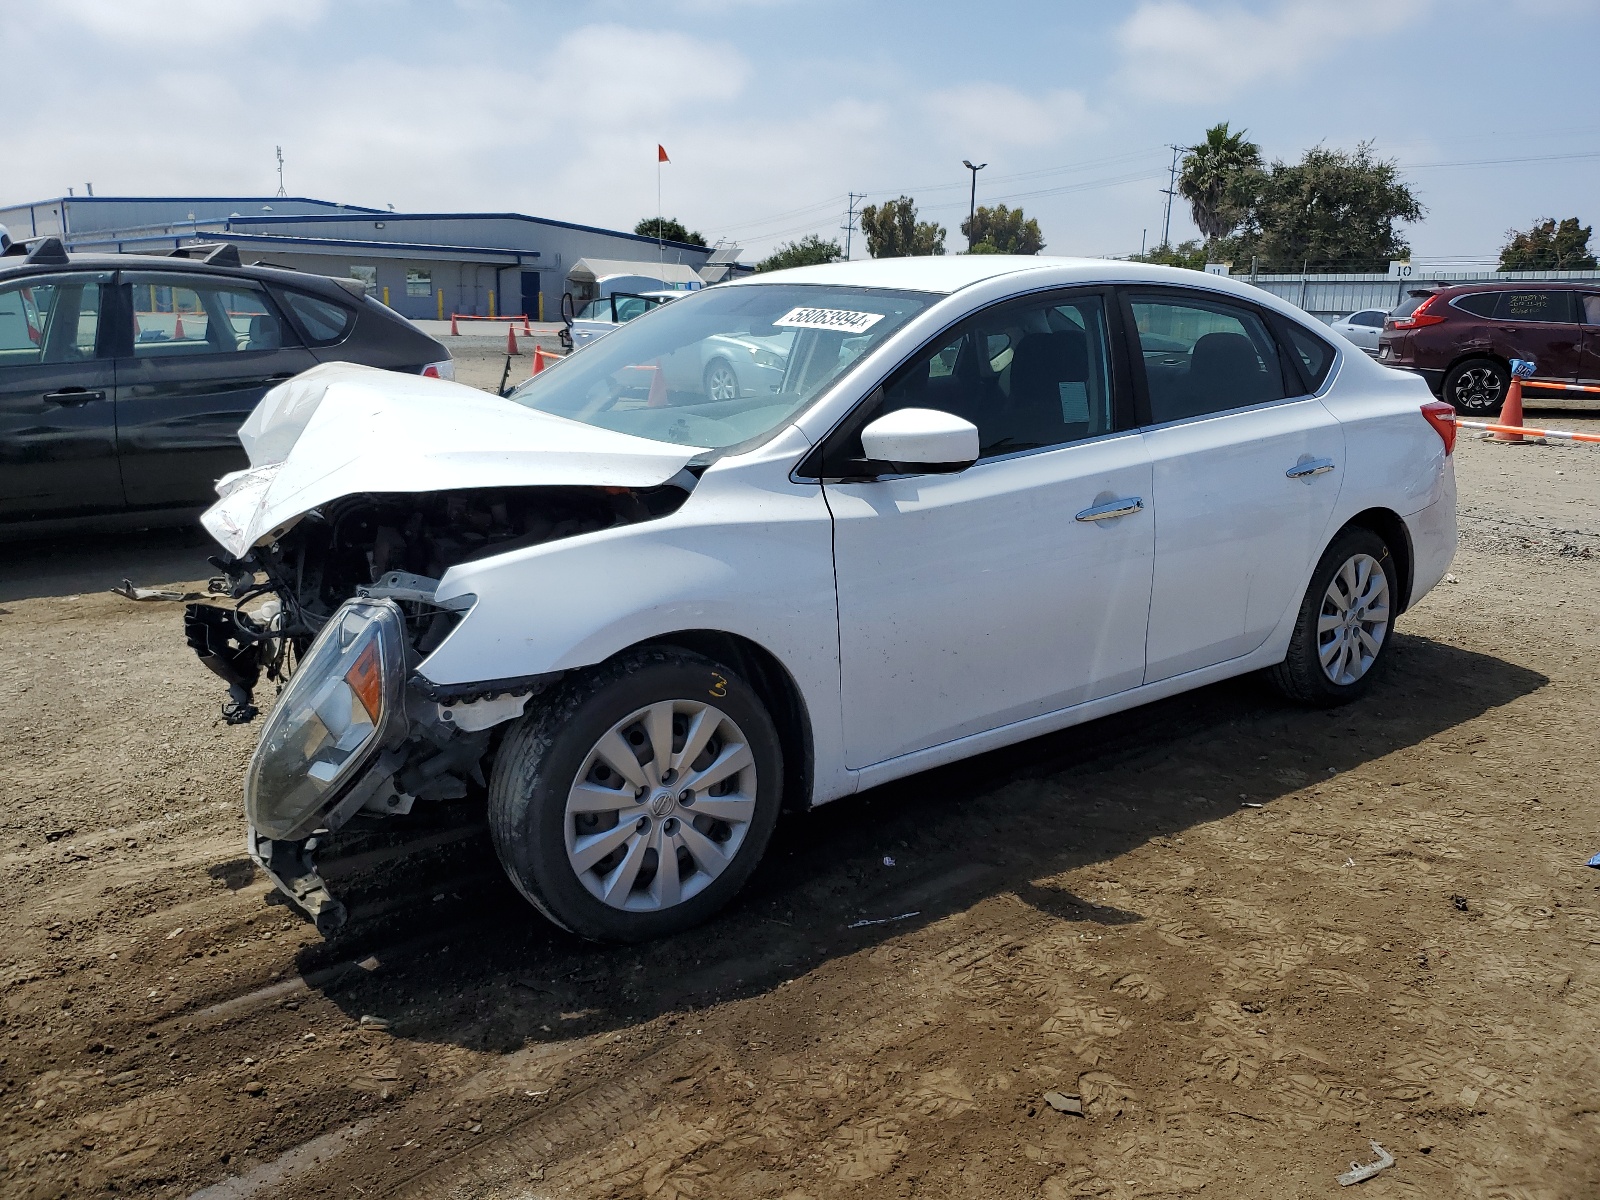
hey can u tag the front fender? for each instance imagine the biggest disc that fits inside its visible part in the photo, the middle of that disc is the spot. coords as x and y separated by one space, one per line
749 553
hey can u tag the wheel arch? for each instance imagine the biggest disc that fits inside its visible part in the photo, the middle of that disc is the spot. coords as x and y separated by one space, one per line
778 691
1391 527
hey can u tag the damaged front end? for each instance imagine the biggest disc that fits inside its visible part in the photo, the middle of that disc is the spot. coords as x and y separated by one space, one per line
340 611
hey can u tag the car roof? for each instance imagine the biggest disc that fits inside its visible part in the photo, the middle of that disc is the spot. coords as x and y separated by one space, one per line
1518 285
12 267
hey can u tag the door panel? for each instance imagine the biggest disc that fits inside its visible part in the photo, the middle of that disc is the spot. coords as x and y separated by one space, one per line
969 602
1589 362
1235 536
1541 326
57 429
204 351
1245 476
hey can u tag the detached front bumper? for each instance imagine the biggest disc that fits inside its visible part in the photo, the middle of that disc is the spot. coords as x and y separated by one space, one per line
289 865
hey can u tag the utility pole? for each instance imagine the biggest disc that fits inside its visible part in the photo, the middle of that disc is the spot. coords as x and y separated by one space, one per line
1170 191
850 221
972 207
281 192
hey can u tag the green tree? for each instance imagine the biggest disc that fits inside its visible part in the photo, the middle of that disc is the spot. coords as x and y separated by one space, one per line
672 230
893 230
1548 246
1333 210
1191 254
1002 230
1220 179
807 252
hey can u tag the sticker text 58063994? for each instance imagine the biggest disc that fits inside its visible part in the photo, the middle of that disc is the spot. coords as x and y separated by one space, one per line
840 319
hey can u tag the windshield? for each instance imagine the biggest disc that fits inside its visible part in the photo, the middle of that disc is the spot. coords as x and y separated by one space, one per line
723 366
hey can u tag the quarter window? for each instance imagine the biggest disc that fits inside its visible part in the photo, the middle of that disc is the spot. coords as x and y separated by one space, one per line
324 321
55 319
1538 307
1203 357
183 316
1029 376
1315 355
1479 304
1591 310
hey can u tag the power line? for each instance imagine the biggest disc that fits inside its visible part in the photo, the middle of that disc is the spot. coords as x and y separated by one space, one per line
849 223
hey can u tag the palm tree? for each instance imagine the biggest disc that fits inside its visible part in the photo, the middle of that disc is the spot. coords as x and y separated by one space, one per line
1216 180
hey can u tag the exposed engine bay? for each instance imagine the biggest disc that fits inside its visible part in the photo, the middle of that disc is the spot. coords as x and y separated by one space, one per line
275 600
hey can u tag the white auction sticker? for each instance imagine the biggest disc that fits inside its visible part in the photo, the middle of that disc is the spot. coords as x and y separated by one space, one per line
841 319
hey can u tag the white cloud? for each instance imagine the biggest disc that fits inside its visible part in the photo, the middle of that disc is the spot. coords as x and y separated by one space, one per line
986 114
184 21
1174 50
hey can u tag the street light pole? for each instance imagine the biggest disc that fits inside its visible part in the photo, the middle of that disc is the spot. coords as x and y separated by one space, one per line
972 208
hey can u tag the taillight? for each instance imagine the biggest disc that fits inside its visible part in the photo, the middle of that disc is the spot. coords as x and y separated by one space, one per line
1443 419
445 369
1421 316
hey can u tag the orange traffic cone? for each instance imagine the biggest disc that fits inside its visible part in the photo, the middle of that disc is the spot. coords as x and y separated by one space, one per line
455 330
511 340
1511 411
527 329
538 359
658 389
177 332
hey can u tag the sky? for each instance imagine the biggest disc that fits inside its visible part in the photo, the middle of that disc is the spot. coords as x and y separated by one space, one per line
774 111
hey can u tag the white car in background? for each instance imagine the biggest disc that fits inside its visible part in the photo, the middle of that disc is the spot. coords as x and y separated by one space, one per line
988 498
1362 328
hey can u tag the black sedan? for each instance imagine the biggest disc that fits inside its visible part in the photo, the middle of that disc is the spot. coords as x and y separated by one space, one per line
124 378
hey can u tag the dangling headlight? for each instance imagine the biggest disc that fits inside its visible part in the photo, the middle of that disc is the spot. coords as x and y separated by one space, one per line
329 721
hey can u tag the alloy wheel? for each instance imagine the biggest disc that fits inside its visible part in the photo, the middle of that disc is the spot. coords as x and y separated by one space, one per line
721 382
1354 619
660 806
1477 389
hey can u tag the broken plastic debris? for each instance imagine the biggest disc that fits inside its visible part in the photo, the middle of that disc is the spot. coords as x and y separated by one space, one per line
882 920
887 861
1595 861
372 1022
1361 1171
128 592
1062 1102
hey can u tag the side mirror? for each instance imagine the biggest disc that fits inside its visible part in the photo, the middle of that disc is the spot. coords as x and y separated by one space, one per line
921 440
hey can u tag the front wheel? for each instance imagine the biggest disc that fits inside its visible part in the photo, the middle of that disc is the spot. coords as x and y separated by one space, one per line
638 800
1477 387
1344 624
721 381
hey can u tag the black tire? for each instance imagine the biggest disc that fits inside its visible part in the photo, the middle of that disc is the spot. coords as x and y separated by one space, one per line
720 367
1301 676
1476 387
538 765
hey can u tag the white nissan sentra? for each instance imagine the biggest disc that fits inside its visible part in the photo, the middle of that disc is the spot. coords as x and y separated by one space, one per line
984 499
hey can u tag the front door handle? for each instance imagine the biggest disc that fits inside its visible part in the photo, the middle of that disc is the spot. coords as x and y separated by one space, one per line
72 396
1127 506
1314 466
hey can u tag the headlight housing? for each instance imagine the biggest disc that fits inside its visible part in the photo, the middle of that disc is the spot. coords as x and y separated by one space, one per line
330 720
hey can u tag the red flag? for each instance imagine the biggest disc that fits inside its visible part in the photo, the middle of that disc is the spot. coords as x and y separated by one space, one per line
661 153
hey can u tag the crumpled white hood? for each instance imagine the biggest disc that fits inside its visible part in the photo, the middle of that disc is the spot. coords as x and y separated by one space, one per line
341 429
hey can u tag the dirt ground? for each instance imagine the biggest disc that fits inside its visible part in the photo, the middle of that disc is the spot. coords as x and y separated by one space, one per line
1250 937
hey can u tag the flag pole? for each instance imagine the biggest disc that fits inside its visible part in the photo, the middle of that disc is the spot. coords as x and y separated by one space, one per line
661 253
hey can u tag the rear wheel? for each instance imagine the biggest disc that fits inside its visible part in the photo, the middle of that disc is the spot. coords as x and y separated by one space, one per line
1344 624
637 802
1477 387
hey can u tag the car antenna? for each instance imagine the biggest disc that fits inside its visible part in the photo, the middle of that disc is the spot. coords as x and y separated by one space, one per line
505 375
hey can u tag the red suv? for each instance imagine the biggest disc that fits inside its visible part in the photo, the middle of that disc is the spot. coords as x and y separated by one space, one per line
1462 340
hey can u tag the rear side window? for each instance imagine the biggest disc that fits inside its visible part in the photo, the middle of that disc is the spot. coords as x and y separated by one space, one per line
1370 317
1591 310
1203 356
179 316
323 321
1534 306
1314 354
1479 304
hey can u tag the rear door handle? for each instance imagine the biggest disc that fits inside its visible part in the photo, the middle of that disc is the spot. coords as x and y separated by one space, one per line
1304 470
71 396
1127 506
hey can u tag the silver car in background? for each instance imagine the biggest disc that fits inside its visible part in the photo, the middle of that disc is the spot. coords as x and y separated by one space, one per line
1362 328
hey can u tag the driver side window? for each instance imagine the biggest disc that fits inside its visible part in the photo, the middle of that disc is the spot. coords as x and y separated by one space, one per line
1030 375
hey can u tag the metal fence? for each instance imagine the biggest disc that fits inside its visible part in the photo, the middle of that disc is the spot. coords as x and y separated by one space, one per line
1329 297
